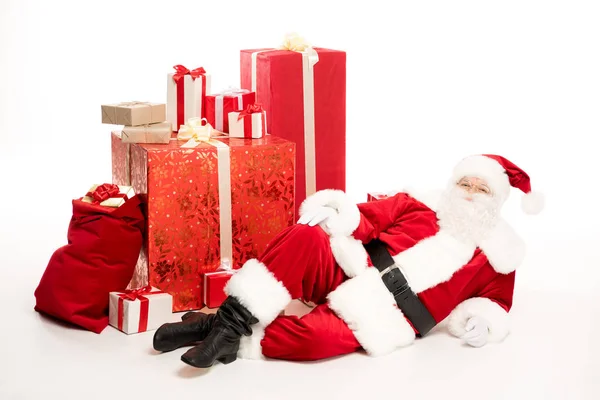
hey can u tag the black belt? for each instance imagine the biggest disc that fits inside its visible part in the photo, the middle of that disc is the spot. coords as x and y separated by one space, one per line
394 280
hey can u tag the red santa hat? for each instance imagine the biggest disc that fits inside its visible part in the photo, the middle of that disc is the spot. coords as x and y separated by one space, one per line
501 174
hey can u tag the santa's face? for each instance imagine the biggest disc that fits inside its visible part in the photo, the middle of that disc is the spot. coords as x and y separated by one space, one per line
469 207
472 186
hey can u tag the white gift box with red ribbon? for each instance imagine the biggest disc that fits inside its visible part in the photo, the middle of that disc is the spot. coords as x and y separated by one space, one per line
249 123
139 310
186 95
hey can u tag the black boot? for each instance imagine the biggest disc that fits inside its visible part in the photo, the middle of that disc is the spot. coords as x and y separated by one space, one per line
194 328
190 314
231 322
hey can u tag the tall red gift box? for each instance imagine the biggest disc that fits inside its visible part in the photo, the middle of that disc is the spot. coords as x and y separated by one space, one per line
224 196
304 96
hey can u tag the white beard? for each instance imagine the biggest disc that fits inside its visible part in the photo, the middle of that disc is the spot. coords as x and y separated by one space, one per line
467 221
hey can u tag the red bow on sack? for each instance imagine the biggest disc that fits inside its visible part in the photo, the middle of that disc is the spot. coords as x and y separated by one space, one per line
251 109
105 192
181 71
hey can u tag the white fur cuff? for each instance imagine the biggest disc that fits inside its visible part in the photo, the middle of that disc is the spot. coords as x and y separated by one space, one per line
504 248
250 347
350 254
348 215
496 317
259 291
370 311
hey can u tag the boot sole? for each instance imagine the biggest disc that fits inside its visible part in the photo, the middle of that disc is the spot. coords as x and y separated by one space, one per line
223 360
170 349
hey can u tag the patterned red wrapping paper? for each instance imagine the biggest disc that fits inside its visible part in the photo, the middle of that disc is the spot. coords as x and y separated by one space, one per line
214 287
181 186
279 87
230 103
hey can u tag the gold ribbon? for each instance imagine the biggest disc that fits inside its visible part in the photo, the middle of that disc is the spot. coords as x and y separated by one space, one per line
195 133
309 58
294 42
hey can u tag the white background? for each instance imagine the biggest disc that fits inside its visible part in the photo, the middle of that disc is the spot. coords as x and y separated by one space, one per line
428 83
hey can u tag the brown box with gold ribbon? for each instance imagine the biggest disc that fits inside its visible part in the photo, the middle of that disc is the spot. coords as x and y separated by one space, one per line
149 133
133 113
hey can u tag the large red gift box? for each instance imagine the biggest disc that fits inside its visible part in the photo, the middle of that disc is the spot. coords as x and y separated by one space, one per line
305 102
225 198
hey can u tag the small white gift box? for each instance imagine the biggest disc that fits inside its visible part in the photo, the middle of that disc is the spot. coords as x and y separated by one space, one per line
140 310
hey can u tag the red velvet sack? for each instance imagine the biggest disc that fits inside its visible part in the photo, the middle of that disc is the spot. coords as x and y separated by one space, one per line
100 257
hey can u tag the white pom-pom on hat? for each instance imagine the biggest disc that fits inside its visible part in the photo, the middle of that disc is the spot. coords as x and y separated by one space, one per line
533 203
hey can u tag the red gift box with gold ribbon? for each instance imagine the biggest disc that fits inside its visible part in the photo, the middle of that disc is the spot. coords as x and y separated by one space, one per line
224 198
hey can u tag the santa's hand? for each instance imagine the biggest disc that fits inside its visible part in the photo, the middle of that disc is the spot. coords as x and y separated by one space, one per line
477 332
317 216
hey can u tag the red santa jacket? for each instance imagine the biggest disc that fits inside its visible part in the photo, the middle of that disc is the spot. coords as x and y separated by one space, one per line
454 278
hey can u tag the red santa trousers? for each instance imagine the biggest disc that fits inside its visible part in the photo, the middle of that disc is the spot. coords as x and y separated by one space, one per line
299 264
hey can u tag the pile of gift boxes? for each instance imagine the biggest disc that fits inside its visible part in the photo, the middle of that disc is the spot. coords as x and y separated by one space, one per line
223 173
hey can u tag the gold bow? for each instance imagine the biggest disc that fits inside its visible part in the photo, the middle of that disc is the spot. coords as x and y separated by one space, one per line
294 42
194 132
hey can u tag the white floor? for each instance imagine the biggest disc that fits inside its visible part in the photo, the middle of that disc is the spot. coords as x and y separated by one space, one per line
552 353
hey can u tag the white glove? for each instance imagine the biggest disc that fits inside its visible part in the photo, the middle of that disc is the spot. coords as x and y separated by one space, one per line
319 215
477 332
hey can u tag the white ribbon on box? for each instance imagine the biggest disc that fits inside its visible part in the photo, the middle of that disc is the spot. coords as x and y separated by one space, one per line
195 133
231 92
310 57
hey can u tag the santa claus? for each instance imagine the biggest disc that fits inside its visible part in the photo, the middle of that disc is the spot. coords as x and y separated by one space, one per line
380 273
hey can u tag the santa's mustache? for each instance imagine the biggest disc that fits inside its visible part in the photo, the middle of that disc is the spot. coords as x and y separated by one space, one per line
470 197
469 202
